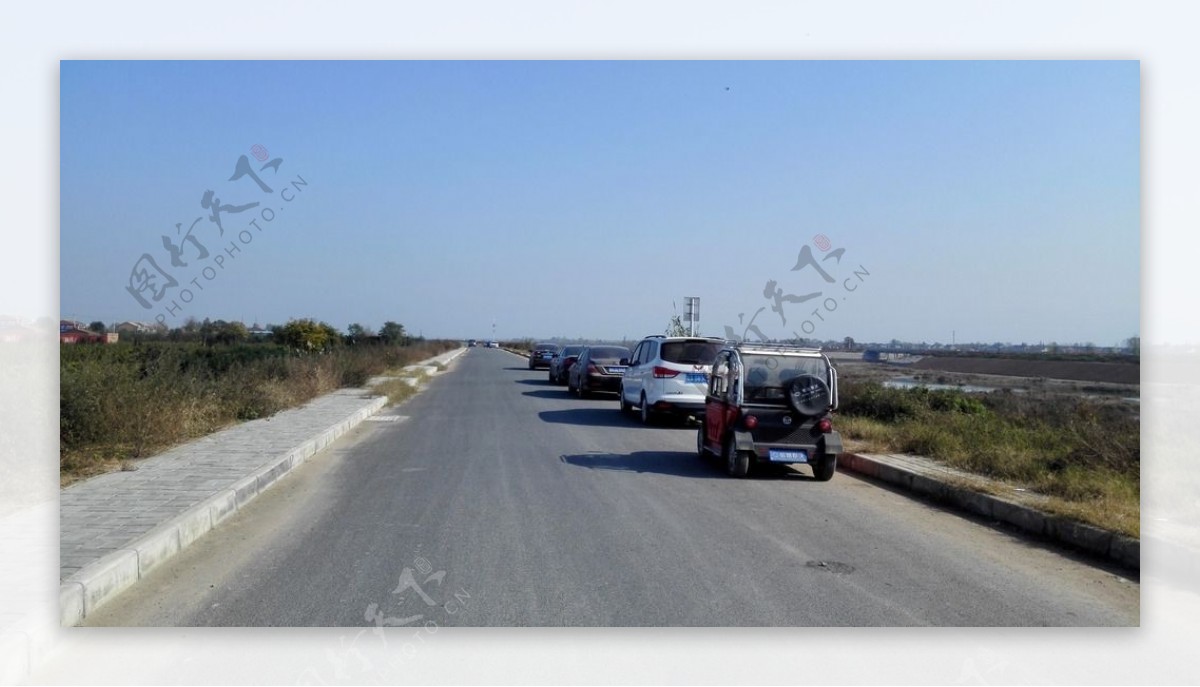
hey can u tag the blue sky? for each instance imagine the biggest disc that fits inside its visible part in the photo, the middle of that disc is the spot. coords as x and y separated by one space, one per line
995 200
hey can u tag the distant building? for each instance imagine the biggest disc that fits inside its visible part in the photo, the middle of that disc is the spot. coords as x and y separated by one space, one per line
15 331
132 327
74 336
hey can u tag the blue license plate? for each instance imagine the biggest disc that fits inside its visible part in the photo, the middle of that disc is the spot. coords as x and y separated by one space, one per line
616 370
697 378
782 456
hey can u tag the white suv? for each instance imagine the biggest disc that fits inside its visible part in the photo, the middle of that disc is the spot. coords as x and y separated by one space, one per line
668 375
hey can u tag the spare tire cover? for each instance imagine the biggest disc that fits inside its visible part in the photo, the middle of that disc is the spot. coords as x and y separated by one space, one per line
808 395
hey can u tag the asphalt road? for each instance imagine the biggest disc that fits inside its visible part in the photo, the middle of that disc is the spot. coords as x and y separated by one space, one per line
502 501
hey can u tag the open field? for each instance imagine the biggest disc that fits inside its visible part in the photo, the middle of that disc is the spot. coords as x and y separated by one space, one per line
1075 442
1075 370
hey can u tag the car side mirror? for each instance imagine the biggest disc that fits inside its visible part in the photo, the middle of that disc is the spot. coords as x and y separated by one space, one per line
624 361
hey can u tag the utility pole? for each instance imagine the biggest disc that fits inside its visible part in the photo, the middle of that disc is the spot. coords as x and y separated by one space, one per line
692 313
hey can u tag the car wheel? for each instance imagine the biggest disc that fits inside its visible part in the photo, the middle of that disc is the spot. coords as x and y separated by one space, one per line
823 470
644 411
570 386
581 389
737 463
700 440
625 407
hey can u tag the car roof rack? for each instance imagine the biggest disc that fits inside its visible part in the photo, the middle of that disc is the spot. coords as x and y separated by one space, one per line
764 346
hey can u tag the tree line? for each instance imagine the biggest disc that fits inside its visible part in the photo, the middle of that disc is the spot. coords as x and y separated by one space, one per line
304 334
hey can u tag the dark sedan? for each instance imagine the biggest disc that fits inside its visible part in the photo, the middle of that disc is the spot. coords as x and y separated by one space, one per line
598 368
541 355
561 363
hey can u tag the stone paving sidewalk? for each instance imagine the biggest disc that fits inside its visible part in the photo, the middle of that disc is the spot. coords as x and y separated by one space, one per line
100 515
103 515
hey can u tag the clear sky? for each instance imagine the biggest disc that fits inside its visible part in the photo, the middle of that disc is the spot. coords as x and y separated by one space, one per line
989 201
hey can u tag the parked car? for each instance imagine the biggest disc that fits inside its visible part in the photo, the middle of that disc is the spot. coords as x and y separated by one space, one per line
561 363
541 355
668 375
771 403
598 368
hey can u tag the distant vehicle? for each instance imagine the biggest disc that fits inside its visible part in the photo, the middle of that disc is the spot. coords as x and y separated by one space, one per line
668 375
599 368
541 355
561 363
493 344
472 343
771 403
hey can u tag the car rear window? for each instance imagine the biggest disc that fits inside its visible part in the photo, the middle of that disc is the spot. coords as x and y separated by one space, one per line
691 352
571 350
606 352
767 376
546 347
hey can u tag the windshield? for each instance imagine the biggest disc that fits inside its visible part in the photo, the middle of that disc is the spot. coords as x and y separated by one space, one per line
696 352
608 353
767 376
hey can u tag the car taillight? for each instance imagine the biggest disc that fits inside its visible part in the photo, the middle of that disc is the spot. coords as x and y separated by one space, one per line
751 422
664 372
825 425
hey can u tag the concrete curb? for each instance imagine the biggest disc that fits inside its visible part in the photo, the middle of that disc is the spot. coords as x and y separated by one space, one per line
97 583
1119 548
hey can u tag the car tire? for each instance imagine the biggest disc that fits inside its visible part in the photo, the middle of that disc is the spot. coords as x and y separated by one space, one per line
625 407
823 469
570 386
737 463
581 390
646 415
700 441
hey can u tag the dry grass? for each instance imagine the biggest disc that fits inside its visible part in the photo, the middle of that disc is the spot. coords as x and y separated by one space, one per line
400 388
1083 455
121 402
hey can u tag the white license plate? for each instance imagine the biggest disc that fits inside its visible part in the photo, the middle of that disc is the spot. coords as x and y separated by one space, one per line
787 456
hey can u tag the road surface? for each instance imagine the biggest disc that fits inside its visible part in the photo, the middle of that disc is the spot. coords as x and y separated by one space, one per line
502 501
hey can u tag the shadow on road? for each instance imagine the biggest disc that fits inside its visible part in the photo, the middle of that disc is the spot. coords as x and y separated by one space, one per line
659 462
601 416
541 381
556 392
608 416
